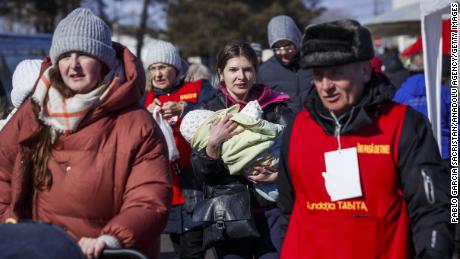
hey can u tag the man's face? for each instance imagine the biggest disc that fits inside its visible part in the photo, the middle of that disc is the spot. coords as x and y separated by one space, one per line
285 50
340 87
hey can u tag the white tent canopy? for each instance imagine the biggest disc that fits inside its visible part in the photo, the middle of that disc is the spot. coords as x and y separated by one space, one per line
401 21
431 12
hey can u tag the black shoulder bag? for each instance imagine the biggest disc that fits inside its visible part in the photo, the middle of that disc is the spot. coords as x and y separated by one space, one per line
226 214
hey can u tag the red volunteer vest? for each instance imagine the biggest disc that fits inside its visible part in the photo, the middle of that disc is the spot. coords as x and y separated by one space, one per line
371 227
189 92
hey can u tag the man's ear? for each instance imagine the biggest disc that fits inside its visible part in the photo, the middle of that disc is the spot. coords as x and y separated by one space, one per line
366 70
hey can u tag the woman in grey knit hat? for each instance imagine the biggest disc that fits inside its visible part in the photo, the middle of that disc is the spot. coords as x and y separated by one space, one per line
283 72
81 153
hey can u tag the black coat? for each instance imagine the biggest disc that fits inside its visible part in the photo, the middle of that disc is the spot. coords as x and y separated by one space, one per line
289 79
395 70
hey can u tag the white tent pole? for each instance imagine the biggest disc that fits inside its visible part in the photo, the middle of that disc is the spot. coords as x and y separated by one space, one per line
438 92
432 45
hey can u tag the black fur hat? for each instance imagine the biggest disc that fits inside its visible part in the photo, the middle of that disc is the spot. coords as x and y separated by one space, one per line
335 43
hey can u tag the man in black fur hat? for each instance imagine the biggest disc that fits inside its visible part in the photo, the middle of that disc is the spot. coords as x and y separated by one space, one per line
360 176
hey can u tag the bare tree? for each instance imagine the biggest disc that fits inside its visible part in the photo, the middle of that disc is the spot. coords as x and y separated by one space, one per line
140 32
201 27
42 14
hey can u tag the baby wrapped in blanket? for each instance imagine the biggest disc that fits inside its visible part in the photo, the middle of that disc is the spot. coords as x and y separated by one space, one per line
259 142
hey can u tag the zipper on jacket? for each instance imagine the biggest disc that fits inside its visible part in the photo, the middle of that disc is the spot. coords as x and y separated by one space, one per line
433 238
428 186
338 127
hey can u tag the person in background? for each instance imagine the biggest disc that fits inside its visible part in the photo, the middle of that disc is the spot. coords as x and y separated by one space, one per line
174 98
24 78
197 72
81 153
413 93
237 69
357 169
394 69
258 50
282 72
416 65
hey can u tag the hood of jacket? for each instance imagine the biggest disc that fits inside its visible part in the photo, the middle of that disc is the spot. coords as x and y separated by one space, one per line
377 91
414 86
129 93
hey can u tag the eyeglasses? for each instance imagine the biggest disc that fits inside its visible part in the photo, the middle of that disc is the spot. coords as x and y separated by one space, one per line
288 47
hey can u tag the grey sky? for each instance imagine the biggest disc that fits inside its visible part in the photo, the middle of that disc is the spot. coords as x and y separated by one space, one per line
360 10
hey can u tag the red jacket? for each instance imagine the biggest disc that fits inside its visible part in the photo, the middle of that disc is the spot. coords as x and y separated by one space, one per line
374 226
109 177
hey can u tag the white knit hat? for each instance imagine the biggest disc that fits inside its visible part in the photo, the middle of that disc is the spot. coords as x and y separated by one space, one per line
24 77
83 31
192 122
163 52
253 110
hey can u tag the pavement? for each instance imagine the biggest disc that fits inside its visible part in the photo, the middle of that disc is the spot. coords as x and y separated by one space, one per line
167 250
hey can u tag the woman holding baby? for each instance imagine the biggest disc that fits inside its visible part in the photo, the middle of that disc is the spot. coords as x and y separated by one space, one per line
236 67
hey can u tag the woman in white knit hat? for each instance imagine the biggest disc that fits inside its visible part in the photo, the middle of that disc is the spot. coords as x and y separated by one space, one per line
81 153
173 97
24 78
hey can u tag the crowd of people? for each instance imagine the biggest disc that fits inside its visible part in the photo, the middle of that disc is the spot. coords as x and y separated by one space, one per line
314 153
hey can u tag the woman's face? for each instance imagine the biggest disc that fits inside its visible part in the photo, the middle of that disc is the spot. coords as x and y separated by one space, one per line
80 72
238 75
163 75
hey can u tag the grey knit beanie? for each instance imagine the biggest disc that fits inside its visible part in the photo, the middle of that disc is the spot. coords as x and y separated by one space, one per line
83 31
282 27
163 52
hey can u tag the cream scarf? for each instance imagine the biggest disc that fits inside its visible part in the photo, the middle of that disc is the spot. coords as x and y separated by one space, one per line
64 115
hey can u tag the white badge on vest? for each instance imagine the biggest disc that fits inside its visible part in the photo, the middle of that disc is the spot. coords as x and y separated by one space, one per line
342 178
